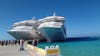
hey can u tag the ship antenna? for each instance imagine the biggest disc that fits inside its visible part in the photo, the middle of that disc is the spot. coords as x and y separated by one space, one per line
54 14
33 17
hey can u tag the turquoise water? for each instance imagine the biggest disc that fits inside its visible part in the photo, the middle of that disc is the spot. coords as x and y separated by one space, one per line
78 48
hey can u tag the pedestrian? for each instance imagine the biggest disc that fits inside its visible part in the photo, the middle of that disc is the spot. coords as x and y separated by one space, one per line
21 45
2 43
18 42
35 42
15 42
6 42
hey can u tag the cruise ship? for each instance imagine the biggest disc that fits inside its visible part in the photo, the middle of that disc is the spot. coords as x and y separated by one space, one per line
26 30
53 28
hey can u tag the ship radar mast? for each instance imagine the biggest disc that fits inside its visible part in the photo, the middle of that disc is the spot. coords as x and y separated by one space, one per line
54 14
33 18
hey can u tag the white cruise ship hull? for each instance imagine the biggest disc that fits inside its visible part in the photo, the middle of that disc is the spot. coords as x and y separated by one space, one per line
53 34
21 35
26 35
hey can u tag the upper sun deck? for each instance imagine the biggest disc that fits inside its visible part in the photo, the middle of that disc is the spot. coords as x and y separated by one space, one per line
26 22
52 18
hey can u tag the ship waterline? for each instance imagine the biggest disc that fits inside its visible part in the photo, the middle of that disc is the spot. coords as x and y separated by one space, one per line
21 35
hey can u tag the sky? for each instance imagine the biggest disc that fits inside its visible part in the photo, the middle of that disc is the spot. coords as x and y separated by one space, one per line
82 16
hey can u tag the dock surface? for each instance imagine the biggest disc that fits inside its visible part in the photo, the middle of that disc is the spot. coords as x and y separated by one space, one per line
13 50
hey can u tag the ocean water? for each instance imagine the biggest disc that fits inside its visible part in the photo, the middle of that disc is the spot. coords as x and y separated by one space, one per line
76 48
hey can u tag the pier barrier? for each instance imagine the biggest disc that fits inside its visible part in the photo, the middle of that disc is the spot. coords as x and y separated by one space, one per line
39 50
52 50
48 51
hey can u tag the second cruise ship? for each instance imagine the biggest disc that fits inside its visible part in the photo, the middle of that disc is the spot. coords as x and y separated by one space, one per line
53 28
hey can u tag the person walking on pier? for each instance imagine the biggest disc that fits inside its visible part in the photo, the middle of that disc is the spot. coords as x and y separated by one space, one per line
21 45
2 42
35 42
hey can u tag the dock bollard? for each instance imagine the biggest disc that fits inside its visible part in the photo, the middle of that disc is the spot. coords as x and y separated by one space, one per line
52 50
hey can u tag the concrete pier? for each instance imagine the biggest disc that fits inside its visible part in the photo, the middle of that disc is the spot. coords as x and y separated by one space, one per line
13 50
36 51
